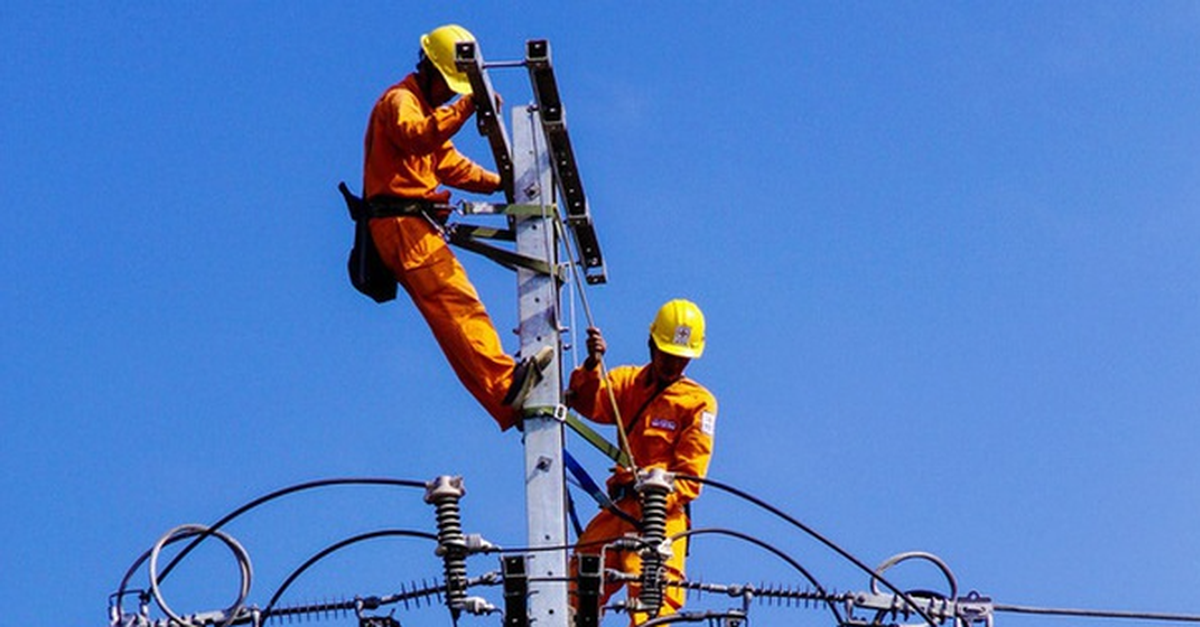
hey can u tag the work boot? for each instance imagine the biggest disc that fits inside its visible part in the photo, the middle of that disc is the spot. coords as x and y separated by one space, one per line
526 375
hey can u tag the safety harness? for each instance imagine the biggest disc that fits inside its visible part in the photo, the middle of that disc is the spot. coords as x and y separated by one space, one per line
372 277
368 274
606 500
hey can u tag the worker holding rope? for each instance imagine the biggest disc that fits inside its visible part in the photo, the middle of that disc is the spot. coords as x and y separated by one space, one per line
666 421
408 154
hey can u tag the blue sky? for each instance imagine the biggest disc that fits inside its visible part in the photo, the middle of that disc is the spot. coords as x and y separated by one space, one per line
948 253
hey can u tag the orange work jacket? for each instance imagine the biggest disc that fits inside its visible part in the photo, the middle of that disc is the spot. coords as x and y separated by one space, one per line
672 429
408 148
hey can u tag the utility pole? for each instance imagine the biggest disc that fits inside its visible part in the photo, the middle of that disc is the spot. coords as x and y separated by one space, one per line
538 305
537 169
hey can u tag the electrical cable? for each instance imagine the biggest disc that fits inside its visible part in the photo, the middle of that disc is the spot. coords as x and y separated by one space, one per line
817 536
694 617
266 613
1022 609
187 531
321 483
930 557
774 550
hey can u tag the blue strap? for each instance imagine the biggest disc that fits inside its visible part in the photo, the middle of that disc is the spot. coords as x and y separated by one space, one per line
591 487
574 517
585 480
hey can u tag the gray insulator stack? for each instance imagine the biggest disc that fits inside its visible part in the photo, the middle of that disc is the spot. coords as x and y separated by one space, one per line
444 494
653 487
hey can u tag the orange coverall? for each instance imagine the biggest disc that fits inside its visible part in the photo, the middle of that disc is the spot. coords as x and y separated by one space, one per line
672 429
408 153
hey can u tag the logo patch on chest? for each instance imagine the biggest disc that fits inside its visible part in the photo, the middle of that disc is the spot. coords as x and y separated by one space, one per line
663 423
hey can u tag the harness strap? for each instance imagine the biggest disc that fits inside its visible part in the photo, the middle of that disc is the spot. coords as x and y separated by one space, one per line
595 439
391 207
590 486
574 516
387 206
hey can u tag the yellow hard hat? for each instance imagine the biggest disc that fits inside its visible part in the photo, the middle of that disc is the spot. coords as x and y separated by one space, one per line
678 329
438 45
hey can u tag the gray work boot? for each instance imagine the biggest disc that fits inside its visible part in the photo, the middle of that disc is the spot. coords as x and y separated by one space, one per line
526 375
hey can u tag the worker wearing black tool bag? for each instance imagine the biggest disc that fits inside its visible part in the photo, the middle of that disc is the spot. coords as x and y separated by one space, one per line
408 154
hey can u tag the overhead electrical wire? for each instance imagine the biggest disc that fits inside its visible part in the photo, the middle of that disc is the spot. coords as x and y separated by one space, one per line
234 613
295 574
774 550
1047 611
309 485
929 557
186 531
814 534
212 529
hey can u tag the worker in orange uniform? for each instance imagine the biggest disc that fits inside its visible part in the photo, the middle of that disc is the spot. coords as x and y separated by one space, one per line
408 154
669 420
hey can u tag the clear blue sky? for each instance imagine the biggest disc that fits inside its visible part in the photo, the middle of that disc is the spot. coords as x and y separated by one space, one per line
949 253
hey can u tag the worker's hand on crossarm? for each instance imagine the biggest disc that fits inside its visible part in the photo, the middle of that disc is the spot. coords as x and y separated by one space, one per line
467 102
596 347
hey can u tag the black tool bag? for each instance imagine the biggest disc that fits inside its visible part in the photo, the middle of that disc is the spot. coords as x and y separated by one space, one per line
368 274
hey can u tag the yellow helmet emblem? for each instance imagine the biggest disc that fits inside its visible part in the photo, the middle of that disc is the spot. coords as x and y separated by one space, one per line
678 329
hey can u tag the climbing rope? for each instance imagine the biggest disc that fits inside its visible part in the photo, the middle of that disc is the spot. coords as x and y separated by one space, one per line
578 283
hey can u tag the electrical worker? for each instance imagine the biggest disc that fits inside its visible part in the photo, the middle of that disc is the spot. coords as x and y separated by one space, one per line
408 154
669 421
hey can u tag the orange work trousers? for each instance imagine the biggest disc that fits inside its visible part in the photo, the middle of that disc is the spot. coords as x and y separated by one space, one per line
437 283
606 527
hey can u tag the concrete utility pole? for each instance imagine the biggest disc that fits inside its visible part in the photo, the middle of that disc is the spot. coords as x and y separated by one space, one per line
539 173
538 305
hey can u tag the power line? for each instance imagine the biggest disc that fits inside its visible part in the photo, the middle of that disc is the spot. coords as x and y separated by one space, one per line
1049 611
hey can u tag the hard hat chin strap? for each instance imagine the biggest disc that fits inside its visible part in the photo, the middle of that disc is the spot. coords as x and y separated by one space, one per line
425 76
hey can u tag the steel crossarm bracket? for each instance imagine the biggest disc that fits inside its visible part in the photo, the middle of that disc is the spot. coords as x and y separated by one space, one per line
507 258
468 59
562 158
512 209
476 231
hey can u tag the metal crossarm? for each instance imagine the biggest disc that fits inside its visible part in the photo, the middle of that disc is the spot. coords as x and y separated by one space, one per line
562 158
468 59
474 231
507 258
